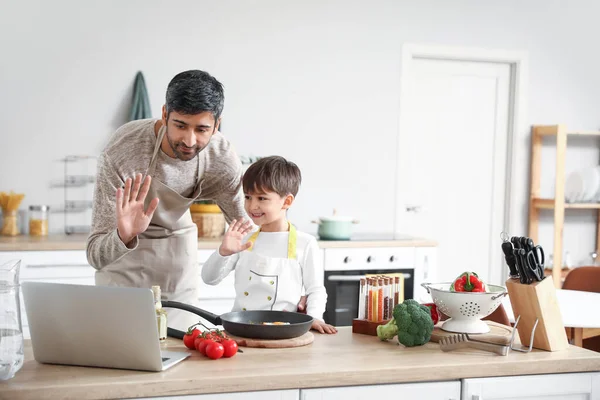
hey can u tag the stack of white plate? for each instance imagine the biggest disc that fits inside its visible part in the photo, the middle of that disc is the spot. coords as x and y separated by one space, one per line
583 186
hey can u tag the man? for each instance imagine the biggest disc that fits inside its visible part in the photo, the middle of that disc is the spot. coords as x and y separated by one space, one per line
148 175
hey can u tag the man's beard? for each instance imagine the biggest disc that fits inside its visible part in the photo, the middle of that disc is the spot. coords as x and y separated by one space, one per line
178 146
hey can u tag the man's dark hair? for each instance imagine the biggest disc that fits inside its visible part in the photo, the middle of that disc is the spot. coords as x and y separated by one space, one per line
192 92
273 174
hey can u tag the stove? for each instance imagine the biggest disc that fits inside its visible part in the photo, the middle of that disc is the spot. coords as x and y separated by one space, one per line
345 265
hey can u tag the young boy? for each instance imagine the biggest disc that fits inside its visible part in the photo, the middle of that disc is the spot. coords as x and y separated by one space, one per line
273 264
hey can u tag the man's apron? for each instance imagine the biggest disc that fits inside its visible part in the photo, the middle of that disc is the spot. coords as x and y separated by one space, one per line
268 283
167 251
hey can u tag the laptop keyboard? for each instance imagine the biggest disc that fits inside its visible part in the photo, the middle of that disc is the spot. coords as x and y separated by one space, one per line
165 359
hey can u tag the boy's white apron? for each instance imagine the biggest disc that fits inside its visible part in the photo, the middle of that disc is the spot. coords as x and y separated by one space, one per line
167 251
268 283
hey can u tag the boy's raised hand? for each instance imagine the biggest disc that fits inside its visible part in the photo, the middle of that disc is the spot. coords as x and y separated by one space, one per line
232 241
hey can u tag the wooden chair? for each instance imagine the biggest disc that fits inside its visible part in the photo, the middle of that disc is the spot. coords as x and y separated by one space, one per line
585 279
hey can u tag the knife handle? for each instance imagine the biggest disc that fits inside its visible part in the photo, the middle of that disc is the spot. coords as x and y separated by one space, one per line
516 242
525 270
530 243
509 256
524 243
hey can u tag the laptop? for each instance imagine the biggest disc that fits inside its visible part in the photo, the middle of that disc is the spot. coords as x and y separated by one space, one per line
95 326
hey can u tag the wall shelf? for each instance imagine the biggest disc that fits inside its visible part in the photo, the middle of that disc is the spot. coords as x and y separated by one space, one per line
77 176
552 130
549 204
558 203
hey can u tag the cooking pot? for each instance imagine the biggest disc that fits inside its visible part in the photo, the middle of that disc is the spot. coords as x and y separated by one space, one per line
335 227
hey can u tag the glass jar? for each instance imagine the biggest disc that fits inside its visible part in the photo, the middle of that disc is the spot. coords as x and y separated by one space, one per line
11 328
38 220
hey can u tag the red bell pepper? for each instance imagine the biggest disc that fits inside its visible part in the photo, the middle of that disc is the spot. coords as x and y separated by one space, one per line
468 282
435 313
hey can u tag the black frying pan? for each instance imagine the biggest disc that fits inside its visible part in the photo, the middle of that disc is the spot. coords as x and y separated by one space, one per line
248 324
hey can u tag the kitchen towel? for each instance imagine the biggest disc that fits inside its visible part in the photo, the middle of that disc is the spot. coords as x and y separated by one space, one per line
140 107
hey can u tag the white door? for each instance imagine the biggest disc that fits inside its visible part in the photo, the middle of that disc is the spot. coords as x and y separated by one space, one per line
292 394
452 162
404 391
582 386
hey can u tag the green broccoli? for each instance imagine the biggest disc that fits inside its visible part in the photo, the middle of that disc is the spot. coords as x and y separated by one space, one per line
411 322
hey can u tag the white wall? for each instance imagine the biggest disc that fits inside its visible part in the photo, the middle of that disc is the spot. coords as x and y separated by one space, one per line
314 81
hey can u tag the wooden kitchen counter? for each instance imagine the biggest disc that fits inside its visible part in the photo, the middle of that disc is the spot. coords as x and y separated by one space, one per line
338 360
77 242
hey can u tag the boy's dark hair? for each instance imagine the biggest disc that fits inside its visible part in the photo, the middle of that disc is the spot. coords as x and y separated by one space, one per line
192 92
273 174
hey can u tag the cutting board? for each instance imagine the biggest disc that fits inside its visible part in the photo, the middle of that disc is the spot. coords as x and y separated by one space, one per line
498 333
303 340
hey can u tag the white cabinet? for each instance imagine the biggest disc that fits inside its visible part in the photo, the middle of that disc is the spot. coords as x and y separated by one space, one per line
583 386
293 394
405 391
50 266
72 267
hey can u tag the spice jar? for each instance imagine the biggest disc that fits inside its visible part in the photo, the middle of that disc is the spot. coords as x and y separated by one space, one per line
38 220
9 203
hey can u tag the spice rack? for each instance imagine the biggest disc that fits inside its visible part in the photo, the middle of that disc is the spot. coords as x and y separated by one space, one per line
558 204
378 296
79 177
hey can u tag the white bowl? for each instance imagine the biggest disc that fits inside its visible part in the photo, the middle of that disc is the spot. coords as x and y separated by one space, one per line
465 309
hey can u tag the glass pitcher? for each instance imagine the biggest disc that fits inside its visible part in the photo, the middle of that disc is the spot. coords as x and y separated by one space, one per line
11 329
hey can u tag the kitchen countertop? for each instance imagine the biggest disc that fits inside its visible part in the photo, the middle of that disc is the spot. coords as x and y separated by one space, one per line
77 242
332 360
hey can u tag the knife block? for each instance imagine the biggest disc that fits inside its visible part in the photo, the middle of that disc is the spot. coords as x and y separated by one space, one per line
538 302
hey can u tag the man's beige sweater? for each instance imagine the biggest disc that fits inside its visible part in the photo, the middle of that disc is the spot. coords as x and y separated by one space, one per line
217 167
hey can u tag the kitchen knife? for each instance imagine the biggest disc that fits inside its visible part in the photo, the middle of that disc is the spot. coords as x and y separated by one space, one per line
511 261
525 269
521 273
516 242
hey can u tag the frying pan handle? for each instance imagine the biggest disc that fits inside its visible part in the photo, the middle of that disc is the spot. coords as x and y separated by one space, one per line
210 317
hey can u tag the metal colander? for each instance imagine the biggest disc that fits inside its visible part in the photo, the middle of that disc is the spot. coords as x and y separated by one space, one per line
465 309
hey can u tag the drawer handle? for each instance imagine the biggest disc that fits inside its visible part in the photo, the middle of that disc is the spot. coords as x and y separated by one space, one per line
370 259
392 258
347 260
57 265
